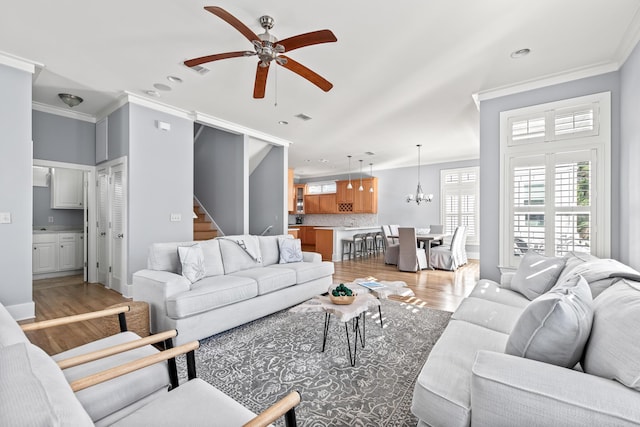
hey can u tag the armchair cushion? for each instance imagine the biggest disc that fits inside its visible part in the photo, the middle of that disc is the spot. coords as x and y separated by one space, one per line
554 327
536 274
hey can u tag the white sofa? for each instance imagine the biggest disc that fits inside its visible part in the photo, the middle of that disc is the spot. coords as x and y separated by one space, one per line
241 285
469 379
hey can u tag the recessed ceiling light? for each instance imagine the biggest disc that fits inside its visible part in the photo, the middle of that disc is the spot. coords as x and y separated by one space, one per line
161 86
283 122
323 160
303 116
520 53
174 79
152 93
369 153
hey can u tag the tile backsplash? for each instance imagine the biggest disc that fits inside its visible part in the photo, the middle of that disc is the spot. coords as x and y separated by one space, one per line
337 220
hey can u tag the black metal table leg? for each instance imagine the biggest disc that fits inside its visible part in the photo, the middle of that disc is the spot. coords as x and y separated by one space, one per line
380 313
327 319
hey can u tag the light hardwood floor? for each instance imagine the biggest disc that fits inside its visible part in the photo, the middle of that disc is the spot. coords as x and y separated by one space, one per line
442 290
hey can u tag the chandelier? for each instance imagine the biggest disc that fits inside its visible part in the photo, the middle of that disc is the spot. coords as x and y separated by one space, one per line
419 196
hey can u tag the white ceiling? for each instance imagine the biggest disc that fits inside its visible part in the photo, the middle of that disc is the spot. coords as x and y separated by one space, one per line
403 72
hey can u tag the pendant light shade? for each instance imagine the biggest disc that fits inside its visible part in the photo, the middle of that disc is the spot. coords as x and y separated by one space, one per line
361 188
420 196
349 186
371 173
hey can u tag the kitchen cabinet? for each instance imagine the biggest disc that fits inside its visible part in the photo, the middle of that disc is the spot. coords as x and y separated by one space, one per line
312 204
320 204
68 251
67 188
299 193
324 244
45 253
307 234
293 232
366 201
343 194
290 192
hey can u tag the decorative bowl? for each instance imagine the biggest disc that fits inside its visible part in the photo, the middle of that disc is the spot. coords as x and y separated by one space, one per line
344 300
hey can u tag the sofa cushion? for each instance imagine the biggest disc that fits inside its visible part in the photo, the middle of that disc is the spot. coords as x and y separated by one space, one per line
210 293
240 253
308 271
212 258
613 350
572 260
536 274
193 403
269 279
491 291
489 314
290 250
112 396
33 391
442 394
269 249
192 262
10 332
601 273
164 256
554 327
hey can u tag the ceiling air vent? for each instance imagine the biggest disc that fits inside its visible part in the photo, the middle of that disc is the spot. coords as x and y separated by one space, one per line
303 116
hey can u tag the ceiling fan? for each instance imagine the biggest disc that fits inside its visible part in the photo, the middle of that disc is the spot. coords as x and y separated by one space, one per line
268 49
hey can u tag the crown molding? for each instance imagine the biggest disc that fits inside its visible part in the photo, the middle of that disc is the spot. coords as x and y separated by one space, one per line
19 63
630 39
549 80
59 111
239 129
158 106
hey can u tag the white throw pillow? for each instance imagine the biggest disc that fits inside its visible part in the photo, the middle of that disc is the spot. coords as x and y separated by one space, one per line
290 250
555 327
192 260
536 274
613 350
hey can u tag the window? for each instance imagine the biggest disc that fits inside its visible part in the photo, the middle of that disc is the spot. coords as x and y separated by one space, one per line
548 191
459 190
321 187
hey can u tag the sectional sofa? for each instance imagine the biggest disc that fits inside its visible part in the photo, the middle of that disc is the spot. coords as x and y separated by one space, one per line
203 288
555 344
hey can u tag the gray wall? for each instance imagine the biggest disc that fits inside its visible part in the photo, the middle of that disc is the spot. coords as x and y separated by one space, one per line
490 157
160 182
118 133
42 211
15 191
63 139
219 177
629 210
266 200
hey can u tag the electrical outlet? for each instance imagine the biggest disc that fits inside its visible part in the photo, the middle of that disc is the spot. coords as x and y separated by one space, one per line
176 217
50 219
5 217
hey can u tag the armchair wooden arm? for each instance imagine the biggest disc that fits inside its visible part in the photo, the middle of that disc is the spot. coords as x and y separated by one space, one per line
35 326
134 365
283 407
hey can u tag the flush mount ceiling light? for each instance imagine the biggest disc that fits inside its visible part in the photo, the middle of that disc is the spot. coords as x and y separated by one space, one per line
152 93
174 79
161 86
283 122
70 100
420 196
520 53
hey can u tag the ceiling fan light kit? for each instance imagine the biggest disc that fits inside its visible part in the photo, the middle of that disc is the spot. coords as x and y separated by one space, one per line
268 49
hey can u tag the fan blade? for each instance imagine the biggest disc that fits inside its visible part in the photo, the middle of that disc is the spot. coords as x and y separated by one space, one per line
303 71
307 39
203 59
261 81
233 21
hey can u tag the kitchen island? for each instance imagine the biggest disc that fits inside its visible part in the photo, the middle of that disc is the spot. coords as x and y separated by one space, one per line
329 239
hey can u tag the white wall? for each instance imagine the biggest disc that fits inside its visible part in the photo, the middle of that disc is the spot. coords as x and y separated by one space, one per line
629 160
15 191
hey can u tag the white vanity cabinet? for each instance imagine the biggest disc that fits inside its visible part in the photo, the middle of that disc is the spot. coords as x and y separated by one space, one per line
67 257
66 188
45 253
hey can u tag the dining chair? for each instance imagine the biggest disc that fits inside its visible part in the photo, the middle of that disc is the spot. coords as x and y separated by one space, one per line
451 257
410 257
436 229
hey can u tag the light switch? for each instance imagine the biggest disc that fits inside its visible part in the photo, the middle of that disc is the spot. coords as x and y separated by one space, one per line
5 217
176 217
51 219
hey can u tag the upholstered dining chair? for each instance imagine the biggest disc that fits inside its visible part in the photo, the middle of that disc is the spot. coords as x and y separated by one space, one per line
436 229
392 248
451 257
410 257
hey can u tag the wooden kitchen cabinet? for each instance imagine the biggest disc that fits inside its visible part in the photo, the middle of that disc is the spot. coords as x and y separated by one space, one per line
328 203
343 194
307 235
366 201
299 191
312 204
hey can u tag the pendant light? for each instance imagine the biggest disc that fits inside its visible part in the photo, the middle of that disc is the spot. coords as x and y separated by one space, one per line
371 173
420 196
349 186
361 188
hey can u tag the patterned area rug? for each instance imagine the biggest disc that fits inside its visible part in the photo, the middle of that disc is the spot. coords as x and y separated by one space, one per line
260 362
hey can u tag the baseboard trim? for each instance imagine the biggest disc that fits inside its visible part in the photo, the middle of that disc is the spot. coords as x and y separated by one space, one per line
22 311
55 274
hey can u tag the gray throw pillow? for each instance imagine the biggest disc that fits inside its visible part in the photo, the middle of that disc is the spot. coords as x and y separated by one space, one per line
555 327
192 260
290 250
536 274
613 350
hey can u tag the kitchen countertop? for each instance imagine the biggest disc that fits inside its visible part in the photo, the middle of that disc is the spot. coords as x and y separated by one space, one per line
355 228
57 229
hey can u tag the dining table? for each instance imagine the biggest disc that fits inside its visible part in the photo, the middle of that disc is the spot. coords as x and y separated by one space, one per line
427 239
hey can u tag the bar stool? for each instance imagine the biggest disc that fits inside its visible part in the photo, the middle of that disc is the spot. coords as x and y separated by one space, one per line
352 245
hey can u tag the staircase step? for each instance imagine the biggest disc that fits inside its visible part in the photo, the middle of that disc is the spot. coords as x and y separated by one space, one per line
201 226
205 235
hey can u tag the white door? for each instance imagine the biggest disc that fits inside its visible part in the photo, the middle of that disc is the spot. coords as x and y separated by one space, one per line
102 253
117 201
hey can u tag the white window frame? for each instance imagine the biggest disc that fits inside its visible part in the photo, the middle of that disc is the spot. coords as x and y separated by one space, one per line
325 187
597 141
462 188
